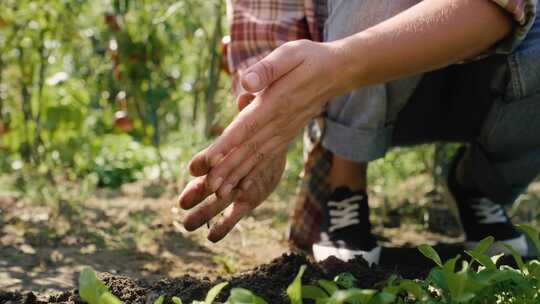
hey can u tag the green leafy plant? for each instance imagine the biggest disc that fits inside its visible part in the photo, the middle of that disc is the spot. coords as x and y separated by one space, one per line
487 283
93 290
329 292
478 281
159 300
244 296
212 294
294 291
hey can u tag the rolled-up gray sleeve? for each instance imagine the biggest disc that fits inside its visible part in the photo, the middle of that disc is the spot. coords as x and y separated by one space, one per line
524 14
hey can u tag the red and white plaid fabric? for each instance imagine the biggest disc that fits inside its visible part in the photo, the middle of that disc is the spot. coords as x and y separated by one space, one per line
259 26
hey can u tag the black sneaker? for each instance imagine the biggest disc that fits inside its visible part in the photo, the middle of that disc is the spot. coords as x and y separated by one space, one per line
346 230
481 217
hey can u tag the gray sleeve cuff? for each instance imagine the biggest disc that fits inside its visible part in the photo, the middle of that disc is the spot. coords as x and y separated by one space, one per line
524 17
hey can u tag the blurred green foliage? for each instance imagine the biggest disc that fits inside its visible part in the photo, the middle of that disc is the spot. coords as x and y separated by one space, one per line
107 92
110 87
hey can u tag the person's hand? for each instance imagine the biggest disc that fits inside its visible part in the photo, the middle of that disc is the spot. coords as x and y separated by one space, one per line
288 87
203 205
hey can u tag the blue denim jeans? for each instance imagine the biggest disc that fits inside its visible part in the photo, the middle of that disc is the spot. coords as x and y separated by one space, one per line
510 134
492 104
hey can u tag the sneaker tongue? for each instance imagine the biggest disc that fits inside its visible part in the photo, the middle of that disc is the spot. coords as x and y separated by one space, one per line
350 210
342 193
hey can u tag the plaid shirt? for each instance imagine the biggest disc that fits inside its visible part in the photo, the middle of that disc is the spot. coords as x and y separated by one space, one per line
259 26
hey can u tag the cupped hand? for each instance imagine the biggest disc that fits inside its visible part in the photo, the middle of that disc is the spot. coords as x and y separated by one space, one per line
203 205
288 87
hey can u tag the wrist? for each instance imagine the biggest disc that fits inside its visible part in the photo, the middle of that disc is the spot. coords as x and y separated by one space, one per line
351 62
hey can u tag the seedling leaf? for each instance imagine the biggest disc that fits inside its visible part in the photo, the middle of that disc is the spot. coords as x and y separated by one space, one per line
517 257
345 280
353 295
329 286
450 265
90 287
109 298
176 300
313 292
383 298
431 254
213 292
159 300
484 260
244 296
532 233
484 245
496 258
412 288
294 291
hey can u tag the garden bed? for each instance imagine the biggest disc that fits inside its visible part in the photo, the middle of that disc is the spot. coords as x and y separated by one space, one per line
269 281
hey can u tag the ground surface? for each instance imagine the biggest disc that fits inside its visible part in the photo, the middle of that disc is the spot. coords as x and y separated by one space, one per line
268 281
130 234
125 233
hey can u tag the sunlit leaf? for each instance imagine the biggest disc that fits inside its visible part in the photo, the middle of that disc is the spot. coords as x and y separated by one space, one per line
313 292
431 254
294 291
345 280
213 292
159 300
90 287
329 286
532 233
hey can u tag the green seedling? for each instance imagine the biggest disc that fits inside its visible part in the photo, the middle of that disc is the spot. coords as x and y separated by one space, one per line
431 254
345 280
294 291
212 293
244 296
488 283
329 292
478 253
532 233
159 300
447 283
93 291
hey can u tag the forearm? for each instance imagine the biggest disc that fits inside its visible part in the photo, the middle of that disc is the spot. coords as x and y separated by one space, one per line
429 35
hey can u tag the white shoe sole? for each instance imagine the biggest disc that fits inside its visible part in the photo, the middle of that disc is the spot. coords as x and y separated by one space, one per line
322 252
519 244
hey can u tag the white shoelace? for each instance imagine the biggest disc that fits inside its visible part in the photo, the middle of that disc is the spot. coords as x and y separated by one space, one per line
489 212
344 213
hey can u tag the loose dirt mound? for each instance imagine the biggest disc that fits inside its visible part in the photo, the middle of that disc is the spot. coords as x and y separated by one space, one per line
268 281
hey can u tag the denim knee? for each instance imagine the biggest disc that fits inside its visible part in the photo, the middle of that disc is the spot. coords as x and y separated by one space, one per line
508 149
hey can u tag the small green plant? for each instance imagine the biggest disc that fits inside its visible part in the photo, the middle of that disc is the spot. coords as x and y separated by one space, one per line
212 294
159 300
93 290
329 292
478 281
486 283
244 296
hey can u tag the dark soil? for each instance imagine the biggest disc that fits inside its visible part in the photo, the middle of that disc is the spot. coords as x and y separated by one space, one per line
268 281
